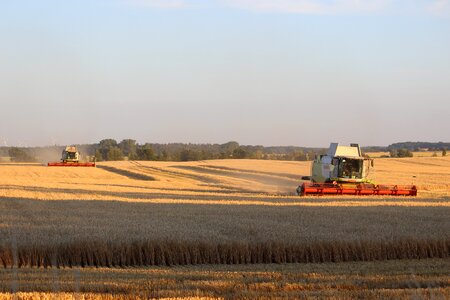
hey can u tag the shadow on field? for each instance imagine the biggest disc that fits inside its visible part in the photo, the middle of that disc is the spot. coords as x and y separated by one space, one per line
126 173
205 195
212 188
175 174
66 233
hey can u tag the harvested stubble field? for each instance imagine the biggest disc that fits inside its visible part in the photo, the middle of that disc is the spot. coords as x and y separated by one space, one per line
123 214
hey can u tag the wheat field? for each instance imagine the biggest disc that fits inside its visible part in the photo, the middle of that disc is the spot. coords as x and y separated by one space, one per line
139 214
420 279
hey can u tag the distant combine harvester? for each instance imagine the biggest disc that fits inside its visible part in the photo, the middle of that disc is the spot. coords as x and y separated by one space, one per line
71 158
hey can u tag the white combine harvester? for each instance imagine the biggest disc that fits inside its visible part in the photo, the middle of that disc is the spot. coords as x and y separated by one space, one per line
343 171
70 157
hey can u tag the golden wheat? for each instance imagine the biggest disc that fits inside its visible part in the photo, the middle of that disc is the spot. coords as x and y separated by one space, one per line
215 212
404 279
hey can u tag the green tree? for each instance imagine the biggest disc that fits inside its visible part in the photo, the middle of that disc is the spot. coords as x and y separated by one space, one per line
393 153
227 149
98 155
133 156
114 153
164 156
128 147
258 154
104 146
189 155
240 153
146 152
403 152
299 155
107 143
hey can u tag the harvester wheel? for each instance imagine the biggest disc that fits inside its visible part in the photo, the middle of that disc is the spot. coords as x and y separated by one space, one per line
299 190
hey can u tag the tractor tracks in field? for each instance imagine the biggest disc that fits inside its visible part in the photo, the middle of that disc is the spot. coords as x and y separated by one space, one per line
203 179
217 177
173 174
133 195
266 178
272 174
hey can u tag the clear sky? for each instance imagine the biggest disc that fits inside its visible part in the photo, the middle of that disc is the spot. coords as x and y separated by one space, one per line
269 72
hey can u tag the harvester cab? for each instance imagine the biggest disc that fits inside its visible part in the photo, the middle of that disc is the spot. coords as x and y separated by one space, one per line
344 171
70 154
341 164
70 157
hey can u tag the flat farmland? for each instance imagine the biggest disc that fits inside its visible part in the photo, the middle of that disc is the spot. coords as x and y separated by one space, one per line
214 213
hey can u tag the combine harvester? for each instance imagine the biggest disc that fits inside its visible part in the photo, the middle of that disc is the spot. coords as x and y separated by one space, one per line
343 171
71 158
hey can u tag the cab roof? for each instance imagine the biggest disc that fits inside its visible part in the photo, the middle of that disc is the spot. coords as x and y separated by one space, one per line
352 151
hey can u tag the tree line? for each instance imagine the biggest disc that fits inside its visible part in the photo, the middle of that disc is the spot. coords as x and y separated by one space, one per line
405 149
109 149
129 149
420 146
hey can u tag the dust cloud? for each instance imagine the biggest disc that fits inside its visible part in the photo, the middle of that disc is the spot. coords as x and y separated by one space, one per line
45 155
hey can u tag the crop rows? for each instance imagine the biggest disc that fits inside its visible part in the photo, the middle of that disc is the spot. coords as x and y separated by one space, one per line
168 253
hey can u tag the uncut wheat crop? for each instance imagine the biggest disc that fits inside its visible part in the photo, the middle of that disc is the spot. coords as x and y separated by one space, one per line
227 211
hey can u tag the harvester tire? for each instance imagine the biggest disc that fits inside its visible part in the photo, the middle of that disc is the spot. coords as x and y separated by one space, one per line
299 190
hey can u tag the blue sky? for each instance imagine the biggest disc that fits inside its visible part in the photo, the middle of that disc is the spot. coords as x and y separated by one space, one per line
286 72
